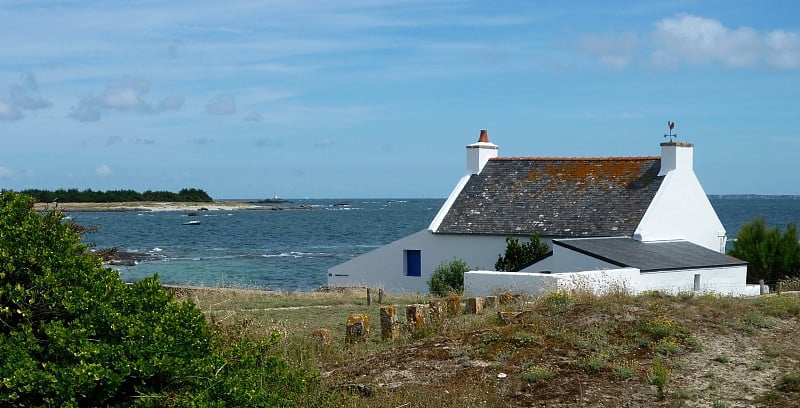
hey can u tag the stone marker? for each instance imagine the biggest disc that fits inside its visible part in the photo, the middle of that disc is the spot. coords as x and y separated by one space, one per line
437 311
473 305
357 329
322 334
490 302
415 317
389 327
453 305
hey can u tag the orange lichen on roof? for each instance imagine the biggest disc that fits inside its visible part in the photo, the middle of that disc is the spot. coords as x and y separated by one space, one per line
584 171
630 158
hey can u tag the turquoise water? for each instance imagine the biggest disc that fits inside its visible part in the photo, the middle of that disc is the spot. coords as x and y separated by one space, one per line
281 250
292 249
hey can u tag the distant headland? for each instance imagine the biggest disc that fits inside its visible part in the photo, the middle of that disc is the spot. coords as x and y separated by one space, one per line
187 199
73 195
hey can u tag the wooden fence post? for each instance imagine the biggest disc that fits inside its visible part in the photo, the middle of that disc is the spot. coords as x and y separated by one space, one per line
369 297
761 286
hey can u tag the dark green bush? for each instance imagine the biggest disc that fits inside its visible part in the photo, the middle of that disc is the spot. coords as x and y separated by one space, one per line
72 334
771 256
448 278
518 256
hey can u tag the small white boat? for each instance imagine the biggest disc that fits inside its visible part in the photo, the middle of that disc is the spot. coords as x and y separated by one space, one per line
195 222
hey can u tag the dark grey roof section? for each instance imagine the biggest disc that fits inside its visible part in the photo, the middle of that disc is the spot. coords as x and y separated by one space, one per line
555 197
650 256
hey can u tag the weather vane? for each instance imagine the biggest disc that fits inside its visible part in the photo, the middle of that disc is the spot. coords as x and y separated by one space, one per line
671 135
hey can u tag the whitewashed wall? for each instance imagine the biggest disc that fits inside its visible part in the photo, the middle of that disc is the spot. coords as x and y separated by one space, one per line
724 281
680 208
486 283
384 267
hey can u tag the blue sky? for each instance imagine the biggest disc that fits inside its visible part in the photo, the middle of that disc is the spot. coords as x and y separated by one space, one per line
377 98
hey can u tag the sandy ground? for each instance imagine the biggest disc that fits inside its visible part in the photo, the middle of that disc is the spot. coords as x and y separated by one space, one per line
156 206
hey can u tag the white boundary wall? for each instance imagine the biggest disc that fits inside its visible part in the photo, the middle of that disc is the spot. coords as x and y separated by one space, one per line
723 281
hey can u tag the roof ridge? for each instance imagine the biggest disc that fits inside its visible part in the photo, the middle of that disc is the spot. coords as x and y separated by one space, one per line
626 158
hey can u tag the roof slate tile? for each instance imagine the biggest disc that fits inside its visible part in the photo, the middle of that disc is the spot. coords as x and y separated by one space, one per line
650 256
555 197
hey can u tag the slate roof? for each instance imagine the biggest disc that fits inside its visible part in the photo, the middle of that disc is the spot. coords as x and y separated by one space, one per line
650 256
555 197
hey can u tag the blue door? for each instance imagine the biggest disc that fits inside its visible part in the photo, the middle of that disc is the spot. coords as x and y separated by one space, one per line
413 262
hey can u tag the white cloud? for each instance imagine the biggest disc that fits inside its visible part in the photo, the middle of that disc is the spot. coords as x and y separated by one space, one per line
698 40
254 117
144 141
171 102
200 140
112 140
221 105
615 51
324 142
9 112
122 98
126 95
22 95
267 142
87 110
103 170
783 49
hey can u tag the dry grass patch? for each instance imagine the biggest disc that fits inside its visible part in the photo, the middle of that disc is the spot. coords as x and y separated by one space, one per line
563 349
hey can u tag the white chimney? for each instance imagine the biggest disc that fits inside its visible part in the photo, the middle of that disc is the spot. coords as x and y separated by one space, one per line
479 153
676 156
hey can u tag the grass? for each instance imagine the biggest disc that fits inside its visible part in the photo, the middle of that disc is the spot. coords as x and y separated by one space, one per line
604 349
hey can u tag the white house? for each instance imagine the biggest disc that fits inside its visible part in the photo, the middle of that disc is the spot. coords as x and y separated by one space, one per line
643 220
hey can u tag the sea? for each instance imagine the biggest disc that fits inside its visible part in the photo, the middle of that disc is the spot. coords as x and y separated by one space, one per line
291 249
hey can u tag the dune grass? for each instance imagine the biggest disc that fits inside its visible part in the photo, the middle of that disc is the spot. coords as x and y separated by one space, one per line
569 349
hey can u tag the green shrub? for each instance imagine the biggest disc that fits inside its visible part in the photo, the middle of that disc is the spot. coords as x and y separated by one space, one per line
73 334
448 278
770 255
518 256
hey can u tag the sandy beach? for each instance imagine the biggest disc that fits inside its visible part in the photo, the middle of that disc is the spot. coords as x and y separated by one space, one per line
161 206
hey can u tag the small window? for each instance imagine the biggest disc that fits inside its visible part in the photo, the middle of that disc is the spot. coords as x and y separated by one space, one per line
413 262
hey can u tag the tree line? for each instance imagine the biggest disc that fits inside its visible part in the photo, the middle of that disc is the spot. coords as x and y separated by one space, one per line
74 195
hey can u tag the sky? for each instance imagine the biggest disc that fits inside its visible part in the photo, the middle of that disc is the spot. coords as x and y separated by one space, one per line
378 98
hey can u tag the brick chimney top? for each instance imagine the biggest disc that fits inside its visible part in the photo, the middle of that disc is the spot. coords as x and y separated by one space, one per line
484 136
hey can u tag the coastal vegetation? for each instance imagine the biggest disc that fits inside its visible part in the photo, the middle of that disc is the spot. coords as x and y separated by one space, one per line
72 334
519 255
448 278
74 195
771 255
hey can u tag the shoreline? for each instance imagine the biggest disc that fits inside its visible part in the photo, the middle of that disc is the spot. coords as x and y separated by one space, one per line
154 206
